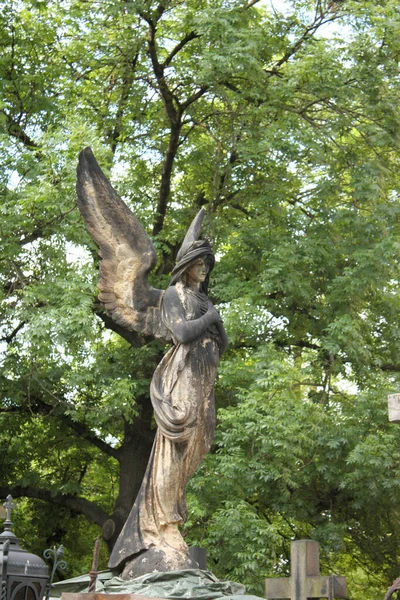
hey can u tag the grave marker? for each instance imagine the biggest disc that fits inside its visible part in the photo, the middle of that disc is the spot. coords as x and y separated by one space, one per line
305 582
394 408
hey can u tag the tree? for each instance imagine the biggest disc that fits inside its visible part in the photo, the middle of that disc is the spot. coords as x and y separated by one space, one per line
284 125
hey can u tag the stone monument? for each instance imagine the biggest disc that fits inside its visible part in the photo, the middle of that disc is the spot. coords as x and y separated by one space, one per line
305 582
182 388
394 408
394 417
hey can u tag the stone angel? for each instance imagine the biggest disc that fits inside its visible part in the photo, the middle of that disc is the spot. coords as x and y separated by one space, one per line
182 388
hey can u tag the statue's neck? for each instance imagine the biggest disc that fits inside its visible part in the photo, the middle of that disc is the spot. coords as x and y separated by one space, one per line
194 286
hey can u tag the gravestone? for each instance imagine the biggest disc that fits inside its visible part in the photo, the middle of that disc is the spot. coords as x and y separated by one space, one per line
305 582
394 417
394 408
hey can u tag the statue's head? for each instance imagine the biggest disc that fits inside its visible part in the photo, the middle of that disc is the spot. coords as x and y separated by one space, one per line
191 251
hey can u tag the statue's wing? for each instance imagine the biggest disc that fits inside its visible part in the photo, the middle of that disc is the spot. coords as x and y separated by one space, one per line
126 250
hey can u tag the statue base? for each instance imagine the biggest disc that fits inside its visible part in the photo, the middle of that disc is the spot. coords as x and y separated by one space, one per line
189 584
100 596
157 559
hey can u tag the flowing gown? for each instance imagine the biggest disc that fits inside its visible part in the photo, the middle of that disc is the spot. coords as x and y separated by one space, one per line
182 394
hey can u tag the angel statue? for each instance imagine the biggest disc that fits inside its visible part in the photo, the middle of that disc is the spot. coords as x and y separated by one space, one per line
182 388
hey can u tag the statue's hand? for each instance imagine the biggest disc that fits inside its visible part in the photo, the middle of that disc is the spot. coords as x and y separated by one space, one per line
215 316
213 313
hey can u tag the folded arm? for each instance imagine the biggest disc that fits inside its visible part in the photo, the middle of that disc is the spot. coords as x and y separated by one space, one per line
182 330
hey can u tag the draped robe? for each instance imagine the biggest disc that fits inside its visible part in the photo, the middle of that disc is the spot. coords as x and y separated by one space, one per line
182 395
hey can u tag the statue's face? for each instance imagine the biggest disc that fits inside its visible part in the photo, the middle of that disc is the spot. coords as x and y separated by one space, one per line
198 271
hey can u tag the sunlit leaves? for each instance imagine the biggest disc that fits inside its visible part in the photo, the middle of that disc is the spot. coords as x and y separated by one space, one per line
292 147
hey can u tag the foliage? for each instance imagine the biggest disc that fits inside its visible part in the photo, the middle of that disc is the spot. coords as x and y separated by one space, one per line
282 120
288 466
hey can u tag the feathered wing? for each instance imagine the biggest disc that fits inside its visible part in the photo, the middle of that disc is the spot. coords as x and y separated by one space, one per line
126 250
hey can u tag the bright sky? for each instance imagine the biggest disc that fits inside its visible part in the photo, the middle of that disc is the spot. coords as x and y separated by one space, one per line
280 5
286 7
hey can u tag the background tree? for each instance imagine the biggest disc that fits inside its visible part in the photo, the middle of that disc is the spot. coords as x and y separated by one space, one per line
282 121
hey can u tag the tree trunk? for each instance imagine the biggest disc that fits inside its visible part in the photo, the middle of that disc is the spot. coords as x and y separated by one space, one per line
133 458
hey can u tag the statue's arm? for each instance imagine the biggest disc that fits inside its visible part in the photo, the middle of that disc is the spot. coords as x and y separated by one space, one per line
224 338
182 330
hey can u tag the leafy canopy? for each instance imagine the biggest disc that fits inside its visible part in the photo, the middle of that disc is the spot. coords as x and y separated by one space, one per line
282 120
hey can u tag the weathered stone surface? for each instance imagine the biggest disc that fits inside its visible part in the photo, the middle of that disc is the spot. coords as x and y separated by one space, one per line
305 582
160 559
199 555
182 388
394 408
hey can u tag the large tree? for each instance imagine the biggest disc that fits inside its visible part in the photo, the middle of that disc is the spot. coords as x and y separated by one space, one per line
283 122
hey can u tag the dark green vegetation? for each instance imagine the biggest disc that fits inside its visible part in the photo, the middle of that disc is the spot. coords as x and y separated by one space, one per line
286 128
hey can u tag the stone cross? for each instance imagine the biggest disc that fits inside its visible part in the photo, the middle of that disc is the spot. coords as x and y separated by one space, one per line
305 582
394 408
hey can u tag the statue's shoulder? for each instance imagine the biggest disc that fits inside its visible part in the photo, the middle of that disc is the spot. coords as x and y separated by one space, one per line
171 295
174 295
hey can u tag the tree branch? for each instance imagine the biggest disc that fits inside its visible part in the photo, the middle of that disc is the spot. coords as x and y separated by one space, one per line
133 338
75 503
195 96
82 430
390 367
297 344
9 338
188 38
250 4
38 232
319 20
16 131
223 178
174 115
295 202
158 69
115 133
165 185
